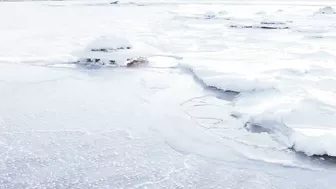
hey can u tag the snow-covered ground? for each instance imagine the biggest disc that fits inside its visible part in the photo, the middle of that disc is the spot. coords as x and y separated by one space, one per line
233 94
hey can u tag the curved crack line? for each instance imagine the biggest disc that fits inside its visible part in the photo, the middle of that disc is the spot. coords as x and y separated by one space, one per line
167 177
191 99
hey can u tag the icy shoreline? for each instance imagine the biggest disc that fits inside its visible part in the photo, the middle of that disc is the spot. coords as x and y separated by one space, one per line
70 125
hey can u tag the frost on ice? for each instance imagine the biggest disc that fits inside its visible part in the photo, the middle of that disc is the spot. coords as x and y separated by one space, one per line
111 51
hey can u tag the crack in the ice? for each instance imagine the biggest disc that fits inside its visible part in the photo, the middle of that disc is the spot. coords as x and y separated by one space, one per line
166 178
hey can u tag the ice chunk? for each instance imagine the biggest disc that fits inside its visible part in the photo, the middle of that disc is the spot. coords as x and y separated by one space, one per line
315 141
210 15
326 10
111 51
229 82
304 126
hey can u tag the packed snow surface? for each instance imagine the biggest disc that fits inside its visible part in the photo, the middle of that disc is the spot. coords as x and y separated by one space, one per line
233 94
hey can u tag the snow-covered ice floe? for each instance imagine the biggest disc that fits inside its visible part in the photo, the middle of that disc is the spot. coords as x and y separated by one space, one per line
283 80
326 10
282 104
118 51
112 51
312 141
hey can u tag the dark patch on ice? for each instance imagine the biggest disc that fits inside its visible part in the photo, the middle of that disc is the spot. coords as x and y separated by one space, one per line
270 25
236 115
317 159
273 27
240 26
136 62
255 128
325 157
114 2
96 62
110 49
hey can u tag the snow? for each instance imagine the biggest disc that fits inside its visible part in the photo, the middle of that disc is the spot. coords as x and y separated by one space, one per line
214 107
284 84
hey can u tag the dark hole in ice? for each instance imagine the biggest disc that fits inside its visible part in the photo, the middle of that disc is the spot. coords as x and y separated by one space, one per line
112 61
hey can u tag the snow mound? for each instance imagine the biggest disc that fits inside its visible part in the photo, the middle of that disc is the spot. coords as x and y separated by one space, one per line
210 15
111 51
326 10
